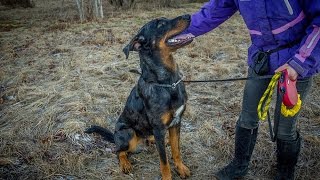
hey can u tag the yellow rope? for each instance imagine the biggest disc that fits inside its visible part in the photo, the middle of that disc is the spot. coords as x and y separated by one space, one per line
292 111
263 111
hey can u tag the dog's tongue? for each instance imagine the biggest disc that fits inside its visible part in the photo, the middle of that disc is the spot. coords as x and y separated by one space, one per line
181 37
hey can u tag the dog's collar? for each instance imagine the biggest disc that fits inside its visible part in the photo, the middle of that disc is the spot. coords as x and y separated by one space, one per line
173 85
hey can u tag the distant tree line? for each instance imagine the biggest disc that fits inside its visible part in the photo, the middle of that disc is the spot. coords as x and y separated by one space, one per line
160 3
93 9
116 3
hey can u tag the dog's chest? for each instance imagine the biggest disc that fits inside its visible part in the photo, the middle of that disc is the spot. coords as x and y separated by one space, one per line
177 116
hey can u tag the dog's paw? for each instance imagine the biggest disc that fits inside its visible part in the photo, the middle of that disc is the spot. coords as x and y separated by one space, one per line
125 166
183 170
166 177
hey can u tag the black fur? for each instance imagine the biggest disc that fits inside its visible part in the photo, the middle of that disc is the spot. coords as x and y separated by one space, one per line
105 133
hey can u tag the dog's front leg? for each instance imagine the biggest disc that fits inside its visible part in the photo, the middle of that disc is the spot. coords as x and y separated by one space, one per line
159 135
174 139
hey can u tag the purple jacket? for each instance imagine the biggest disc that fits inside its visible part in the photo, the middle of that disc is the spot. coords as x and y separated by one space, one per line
271 23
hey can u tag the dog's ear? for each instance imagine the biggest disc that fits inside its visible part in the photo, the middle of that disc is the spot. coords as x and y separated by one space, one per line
134 45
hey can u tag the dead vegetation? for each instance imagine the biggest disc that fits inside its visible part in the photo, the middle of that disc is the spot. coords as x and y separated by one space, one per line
59 76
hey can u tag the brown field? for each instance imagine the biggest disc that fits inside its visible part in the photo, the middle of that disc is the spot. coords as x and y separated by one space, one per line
59 76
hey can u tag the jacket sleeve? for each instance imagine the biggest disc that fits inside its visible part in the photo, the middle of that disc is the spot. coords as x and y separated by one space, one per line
211 15
306 61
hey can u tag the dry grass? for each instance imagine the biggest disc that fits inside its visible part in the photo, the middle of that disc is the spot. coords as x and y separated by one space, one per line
58 77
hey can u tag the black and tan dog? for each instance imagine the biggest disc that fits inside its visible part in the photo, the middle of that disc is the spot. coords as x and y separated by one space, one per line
158 101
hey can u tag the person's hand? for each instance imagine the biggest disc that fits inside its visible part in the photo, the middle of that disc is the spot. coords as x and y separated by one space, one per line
293 75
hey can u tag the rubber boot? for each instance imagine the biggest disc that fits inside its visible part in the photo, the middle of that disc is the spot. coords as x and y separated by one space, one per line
244 144
287 157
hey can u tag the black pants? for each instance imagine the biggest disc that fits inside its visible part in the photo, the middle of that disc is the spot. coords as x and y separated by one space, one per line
253 91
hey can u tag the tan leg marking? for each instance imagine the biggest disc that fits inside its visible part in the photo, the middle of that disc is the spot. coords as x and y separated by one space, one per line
174 137
165 170
125 164
166 118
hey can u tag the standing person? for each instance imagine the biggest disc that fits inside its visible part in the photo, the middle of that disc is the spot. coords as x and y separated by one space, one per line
289 30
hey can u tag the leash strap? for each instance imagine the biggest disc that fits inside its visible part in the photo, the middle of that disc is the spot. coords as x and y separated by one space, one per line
270 128
203 81
230 79
274 132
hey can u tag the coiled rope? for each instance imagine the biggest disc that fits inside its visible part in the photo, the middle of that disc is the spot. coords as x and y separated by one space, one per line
266 98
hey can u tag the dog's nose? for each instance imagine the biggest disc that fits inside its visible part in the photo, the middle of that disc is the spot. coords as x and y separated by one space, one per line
186 17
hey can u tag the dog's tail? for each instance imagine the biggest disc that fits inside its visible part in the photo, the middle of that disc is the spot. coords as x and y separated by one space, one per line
105 133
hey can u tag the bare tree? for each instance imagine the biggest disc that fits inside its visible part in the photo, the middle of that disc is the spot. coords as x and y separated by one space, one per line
80 9
89 9
164 3
168 3
98 8
122 3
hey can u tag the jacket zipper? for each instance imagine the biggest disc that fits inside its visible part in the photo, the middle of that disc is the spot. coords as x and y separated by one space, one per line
289 7
313 39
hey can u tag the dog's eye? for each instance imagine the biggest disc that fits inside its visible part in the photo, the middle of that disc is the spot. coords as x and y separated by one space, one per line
161 23
141 39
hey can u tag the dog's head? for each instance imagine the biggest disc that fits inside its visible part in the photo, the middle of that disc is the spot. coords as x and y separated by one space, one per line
157 35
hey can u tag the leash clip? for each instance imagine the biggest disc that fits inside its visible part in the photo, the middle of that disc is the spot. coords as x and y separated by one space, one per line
174 85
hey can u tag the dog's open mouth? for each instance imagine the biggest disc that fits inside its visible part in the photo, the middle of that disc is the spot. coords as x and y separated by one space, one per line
180 40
